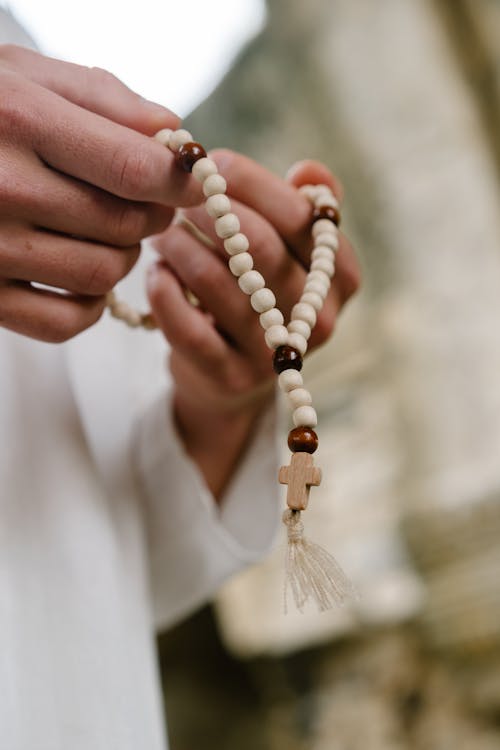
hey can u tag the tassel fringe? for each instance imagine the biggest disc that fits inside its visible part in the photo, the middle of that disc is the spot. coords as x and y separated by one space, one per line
311 572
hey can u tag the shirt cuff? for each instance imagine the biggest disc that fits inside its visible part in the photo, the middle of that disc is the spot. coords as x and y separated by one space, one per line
193 543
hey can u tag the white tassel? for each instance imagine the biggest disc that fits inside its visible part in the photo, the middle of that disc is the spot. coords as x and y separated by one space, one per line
311 572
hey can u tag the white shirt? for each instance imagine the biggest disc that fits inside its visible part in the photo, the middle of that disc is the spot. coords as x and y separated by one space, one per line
107 532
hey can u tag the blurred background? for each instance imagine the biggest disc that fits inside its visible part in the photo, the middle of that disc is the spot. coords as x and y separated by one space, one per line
402 99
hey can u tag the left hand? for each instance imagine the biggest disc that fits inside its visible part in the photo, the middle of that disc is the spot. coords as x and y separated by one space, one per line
221 366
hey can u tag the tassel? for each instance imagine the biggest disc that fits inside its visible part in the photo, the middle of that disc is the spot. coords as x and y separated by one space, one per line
311 572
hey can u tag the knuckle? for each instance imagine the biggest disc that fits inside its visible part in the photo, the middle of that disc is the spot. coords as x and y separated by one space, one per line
132 171
77 318
100 77
102 276
130 225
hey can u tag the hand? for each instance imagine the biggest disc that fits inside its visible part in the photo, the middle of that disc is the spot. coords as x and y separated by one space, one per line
221 366
80 185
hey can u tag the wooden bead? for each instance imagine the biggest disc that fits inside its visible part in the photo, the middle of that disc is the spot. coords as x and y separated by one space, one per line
251 281
302 440
312 285
276 337
226 226
238 243
218 205
188 154
179 138
322 264
272 317
300 326
305 312
319 276
240 264
213 185
163 136
330 239
299 397
322 251
297 341
204 168
322 225
286 358
327 212
263 300
290 379
313 299
305 416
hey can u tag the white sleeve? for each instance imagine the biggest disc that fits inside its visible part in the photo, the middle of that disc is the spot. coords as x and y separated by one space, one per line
194 545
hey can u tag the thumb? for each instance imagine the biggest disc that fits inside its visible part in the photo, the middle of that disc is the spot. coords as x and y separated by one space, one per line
311 172
93 89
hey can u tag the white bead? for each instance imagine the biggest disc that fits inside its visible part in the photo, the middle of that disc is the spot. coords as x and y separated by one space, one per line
227 225
300 397
214 184
218 205
322 251
326 199
313 299
238 243
204 168
298 342
318 287
305 312
240 264
305 416
320 226
322 264
320 276
290 379
273 317
299 326
276 336
124 312
310 192
251 281
163 136
179 138
330 239
263 300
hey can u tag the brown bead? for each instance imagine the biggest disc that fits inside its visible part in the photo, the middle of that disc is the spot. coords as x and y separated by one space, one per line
286 358
148 322
327 212
187 156
302 440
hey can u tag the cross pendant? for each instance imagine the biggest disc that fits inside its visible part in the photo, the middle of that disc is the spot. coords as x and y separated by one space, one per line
299 476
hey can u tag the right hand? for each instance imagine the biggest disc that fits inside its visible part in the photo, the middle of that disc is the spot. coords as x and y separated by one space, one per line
80 185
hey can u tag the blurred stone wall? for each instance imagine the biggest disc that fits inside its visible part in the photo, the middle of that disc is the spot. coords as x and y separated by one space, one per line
402 99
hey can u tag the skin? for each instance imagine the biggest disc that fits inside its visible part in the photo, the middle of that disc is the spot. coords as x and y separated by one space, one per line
82 183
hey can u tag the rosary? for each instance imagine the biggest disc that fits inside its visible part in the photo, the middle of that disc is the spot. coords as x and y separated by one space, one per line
311 572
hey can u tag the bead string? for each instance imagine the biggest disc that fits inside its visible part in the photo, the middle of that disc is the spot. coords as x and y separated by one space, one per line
310 570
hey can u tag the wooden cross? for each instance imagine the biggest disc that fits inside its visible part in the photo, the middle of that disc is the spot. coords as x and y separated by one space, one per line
299 476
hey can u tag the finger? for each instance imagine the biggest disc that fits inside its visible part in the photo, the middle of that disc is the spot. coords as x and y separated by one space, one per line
63 262
207 276
190 332
44 315
60 203
93 89
94 149
311 172
273 259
